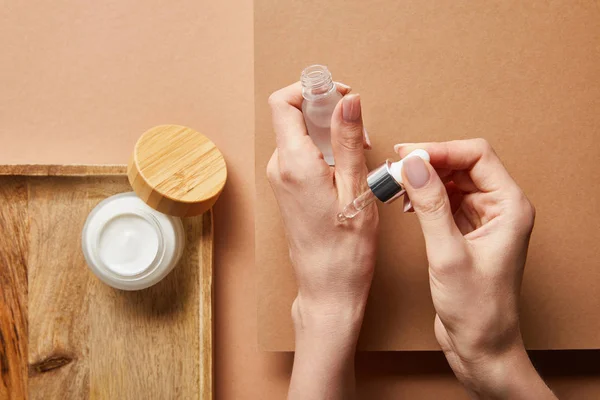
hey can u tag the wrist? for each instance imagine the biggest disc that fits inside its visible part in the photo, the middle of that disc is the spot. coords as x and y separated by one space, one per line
336 321
503 376
326 336
489 376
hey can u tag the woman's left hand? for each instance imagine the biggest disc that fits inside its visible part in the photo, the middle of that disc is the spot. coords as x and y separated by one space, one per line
333 262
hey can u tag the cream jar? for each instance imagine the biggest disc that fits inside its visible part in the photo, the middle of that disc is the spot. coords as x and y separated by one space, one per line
129 245
133 240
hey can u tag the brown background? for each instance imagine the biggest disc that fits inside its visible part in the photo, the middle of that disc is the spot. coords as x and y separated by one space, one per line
526 76
80 82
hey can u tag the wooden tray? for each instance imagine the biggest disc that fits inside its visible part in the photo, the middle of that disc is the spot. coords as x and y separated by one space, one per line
63 333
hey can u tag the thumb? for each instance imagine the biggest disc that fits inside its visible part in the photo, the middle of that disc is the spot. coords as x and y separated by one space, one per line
347 143
432 206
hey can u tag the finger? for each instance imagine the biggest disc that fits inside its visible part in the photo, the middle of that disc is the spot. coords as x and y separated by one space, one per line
273 168
475 156
399 146
444 174
342 88
473 212
366 140
463 222
290 95
288 121
463 181
455 195
467 216
432 206
347 144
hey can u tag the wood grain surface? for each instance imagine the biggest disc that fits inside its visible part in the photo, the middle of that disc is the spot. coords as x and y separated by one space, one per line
177 170
13 287
65 334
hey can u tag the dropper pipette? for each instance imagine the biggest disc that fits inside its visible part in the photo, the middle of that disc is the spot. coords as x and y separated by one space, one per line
384 184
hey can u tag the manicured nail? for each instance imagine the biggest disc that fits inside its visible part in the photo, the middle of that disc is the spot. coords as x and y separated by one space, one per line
398 146
351 108
367 138
417 172
343 86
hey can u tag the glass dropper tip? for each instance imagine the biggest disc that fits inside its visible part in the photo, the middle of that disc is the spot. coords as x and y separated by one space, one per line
341 217
356 206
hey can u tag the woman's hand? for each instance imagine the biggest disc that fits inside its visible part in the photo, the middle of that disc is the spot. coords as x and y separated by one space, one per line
477 223
333 262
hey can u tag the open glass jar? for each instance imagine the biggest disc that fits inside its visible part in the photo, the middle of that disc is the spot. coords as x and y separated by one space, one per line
129 245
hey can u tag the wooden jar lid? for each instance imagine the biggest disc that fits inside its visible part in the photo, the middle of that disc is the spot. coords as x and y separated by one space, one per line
177 170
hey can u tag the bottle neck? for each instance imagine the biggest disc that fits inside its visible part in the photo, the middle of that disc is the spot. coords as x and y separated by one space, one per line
317 82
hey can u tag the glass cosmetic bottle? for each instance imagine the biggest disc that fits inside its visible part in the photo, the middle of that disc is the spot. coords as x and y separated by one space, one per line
320 98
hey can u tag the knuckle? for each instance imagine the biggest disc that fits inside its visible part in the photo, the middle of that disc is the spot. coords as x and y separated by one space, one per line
445 262
351 139
293 148
274 99
272 170
287 175
533 212
524 213
433 206
314 154
293 173
355 175
484 146
527 213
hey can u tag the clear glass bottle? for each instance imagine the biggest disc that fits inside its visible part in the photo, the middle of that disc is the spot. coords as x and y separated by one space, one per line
320 98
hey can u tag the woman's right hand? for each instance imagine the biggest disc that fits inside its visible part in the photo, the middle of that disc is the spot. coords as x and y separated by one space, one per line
476 222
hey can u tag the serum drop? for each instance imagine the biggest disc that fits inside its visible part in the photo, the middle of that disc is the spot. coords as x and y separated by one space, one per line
320 98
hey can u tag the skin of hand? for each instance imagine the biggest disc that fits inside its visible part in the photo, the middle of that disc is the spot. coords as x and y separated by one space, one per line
333 262
477 223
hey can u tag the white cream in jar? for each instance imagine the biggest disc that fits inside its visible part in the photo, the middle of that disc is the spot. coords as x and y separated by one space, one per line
129 245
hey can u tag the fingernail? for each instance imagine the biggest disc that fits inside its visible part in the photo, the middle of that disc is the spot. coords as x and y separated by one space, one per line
398 146
367 138
351 108
343 86
416 171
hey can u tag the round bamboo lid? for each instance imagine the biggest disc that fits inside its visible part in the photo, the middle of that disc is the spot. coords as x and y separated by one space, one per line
177 170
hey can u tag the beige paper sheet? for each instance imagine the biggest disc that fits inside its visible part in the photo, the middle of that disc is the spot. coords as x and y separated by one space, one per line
524 75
